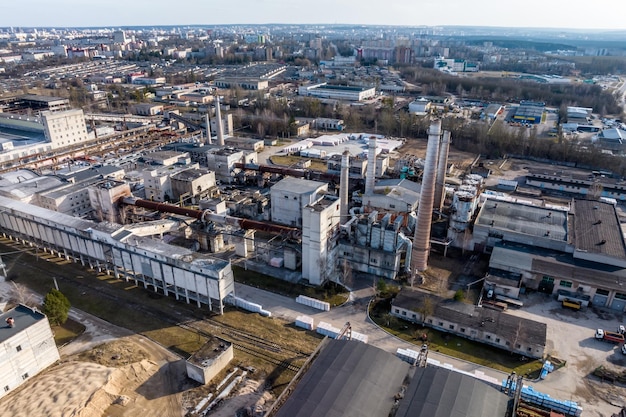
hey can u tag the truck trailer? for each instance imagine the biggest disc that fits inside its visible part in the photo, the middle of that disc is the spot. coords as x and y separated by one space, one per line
613 337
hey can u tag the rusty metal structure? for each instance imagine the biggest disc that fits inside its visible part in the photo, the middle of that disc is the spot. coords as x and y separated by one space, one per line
206 216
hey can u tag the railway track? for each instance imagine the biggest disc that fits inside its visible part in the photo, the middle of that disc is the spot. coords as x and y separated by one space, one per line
243 341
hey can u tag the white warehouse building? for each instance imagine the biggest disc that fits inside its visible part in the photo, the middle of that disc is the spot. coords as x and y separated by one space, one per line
337 92
27 346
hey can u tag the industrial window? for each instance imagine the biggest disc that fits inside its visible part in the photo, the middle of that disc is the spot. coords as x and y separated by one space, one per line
18 348
414 315
497 340
462 329
508 343
488 337
441 323
518 346
620 296
430 321
25 375
6 388
392 206
404 313
451 327
530 349
286 196
397 311
547 279
601 292
566 284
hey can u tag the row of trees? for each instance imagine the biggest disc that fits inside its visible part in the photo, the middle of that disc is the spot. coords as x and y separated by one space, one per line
512 90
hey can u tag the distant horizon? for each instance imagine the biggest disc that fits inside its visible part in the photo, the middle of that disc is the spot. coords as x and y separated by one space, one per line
530 14
556 29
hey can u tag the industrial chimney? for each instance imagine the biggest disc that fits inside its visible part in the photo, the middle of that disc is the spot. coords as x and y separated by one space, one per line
343 186
207 120
421 241
442 165
370 178
218 116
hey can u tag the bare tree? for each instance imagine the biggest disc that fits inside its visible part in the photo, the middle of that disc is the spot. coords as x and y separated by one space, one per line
426 308
22 295
345 274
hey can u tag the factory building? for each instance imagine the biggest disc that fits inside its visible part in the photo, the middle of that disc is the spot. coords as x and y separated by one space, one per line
158 182
320 223
65 128
337 92
577 185
27 346
165 268
362 380
579 254
471 322
192 185
290 196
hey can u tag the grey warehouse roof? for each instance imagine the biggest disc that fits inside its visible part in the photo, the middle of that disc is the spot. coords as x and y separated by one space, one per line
520 218
297 185
24 318
347 379
440 392
597 228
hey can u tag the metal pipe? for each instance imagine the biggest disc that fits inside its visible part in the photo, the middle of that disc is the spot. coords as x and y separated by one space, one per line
421 241
207 215
442 167
343 186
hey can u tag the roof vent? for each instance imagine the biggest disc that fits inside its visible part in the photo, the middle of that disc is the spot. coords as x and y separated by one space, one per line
599 221
10 322
602 242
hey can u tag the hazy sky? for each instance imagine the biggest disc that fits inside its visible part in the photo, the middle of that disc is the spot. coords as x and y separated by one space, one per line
601 14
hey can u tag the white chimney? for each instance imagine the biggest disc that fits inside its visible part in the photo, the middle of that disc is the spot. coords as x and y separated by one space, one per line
218 116
370 176
343 186
421 241
207 120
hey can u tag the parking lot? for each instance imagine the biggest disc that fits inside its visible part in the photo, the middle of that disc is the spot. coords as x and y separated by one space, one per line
571 338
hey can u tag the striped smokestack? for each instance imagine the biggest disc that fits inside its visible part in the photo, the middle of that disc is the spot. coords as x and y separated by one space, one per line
421 241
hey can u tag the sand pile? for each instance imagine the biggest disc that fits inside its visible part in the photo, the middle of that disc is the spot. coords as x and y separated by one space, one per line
81 389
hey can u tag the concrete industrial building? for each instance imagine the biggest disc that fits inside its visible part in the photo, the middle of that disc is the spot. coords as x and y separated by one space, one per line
187 275
290 196
505 331
27 346
210 360
580 252
337 92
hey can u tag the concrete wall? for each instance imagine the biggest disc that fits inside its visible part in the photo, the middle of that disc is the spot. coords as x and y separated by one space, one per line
204 374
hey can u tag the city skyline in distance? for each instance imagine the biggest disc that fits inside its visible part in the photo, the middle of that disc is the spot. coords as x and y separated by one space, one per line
599 15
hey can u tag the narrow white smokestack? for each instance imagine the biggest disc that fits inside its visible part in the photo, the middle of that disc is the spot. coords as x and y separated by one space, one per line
421 241
343 186
442 166
207 121
370 176
218 116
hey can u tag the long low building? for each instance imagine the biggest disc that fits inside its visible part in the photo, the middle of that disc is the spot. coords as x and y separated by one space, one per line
491 327
581 251
172 270
337 92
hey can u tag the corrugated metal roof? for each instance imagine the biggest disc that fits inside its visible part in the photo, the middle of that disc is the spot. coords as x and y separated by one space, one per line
348 379
597 228
530 220
440 392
